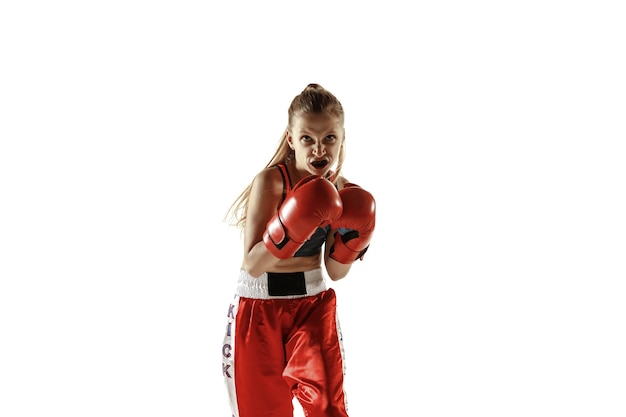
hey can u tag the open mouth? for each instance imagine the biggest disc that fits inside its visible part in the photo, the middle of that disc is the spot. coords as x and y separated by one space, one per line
319 164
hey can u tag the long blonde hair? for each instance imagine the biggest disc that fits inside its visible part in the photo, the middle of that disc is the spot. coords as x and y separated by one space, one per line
313 99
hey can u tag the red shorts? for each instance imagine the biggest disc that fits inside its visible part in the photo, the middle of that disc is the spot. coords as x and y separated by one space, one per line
284 345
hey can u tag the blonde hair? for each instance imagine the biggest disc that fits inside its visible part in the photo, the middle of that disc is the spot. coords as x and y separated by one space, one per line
313 99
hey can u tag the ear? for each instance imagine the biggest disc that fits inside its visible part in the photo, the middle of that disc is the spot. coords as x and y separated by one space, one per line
289 139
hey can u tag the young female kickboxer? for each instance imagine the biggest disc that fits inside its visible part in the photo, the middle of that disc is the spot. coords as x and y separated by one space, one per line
298 216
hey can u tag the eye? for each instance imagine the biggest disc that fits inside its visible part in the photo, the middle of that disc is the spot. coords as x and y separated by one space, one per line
306 138
330 138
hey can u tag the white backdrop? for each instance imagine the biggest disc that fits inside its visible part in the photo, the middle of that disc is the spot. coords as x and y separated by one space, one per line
491 136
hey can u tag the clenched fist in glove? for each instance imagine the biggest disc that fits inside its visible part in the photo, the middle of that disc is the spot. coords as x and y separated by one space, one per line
312 203
359 217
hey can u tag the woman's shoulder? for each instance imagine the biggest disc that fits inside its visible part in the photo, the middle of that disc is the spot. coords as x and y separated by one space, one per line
341 182
269 178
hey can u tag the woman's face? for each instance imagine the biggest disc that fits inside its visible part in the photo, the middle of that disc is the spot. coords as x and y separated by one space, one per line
316 140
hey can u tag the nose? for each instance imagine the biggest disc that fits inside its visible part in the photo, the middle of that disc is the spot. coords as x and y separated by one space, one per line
319 149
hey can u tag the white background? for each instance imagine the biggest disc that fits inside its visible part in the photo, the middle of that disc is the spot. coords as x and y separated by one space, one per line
490 133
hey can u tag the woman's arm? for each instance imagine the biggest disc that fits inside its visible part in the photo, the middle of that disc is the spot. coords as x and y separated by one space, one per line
265 197
335 270
359 218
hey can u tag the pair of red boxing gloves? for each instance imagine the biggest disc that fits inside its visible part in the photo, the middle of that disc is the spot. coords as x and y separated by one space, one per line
314 202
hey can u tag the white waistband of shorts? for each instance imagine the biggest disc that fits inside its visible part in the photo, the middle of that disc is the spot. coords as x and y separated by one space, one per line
251 287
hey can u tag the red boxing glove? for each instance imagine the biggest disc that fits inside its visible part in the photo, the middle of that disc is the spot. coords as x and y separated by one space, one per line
313 202
359 216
